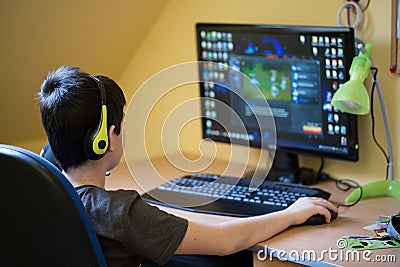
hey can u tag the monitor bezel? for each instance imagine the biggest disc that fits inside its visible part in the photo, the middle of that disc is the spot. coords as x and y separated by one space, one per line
353 154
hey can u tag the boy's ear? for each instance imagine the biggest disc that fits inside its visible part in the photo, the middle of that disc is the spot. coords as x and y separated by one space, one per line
111 138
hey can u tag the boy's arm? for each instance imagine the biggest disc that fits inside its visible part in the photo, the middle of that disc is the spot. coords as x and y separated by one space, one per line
242 233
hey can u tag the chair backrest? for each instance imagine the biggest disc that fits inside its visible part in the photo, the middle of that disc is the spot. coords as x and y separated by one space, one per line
43 221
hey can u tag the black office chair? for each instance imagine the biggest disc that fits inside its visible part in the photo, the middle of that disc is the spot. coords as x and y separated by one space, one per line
43 221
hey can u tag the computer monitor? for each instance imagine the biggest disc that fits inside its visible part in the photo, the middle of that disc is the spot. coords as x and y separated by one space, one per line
297 69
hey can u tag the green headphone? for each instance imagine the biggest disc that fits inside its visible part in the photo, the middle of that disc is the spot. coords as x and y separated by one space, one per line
96 139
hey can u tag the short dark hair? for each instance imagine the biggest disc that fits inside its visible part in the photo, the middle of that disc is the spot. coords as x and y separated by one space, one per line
70 106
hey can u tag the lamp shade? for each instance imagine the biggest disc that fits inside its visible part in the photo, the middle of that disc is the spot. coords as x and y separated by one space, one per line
352 97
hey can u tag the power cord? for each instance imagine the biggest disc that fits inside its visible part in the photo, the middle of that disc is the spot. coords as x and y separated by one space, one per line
375 70
348 6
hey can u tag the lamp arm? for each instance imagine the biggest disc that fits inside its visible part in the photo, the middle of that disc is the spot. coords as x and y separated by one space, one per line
387 128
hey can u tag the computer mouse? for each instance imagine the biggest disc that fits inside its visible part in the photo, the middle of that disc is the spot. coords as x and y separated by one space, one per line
320 219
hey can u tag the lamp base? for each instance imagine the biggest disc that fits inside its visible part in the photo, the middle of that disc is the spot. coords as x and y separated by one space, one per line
376 189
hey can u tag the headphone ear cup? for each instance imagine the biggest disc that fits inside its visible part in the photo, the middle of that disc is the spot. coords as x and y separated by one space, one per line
88 145
96 139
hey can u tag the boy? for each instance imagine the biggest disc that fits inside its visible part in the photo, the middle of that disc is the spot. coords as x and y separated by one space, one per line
129 229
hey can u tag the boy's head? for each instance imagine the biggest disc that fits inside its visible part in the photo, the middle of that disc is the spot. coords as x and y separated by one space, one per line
70 107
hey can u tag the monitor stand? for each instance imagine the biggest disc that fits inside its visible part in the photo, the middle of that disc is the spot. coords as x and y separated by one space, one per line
284 167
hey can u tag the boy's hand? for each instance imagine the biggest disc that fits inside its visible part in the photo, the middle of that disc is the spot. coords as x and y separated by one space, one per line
306 207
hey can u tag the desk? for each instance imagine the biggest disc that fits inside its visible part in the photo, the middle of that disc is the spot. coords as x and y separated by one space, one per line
299 240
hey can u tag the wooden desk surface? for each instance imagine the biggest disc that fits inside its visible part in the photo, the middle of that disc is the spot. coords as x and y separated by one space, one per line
319 241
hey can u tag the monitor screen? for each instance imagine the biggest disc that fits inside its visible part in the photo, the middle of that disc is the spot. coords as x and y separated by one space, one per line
297 69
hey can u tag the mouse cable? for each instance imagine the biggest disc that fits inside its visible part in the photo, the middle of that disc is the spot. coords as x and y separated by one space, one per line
349 183
341 184
345 185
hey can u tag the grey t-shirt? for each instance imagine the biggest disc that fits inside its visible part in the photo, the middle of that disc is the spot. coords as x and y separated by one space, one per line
129 229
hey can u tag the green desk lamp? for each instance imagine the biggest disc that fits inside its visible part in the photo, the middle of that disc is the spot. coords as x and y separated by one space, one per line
352 97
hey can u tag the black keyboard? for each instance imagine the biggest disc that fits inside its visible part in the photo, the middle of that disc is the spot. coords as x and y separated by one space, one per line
230 196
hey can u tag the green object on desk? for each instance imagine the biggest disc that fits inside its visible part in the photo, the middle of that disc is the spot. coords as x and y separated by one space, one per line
367 243
376 189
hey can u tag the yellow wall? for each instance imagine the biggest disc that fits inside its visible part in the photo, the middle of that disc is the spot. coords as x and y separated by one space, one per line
172 41
145 37
99 36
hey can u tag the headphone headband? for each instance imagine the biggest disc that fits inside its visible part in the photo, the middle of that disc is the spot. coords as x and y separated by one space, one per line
96 140
100 85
